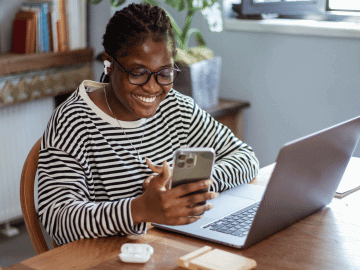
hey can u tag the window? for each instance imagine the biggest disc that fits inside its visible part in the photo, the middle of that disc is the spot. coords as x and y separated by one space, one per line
322 18
344 5
297 7
283 7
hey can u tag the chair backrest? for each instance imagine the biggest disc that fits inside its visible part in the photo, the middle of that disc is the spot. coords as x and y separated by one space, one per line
27 200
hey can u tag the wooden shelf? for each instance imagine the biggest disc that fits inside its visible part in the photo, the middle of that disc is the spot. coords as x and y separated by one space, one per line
226 106
25 77
11 63
229 113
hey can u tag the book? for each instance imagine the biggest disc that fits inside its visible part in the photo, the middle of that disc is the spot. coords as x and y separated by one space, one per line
54 14
62 27
83 23
19 36
61 24
207 258
76 22
38 39
72 23
53 18
43 11
350 181
24 32
43 8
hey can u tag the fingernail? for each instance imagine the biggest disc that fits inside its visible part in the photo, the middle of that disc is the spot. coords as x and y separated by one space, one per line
211 206
214 195
208 183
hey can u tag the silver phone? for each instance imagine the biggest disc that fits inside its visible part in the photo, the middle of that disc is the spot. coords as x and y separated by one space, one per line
191 165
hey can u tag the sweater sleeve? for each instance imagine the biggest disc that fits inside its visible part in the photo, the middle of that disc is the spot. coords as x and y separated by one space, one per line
235 161
68 207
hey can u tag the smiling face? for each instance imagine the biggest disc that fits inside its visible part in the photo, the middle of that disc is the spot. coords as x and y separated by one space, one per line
131 102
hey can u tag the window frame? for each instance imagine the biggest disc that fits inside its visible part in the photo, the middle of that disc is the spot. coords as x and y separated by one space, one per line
333 23
340 10
248 7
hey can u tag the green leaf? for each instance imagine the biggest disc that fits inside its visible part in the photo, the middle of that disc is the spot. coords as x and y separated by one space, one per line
200 41
117 3
198 37
179 5
152 2
94 2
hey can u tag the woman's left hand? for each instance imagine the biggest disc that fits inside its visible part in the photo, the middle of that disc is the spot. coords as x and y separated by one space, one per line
175 206
155 168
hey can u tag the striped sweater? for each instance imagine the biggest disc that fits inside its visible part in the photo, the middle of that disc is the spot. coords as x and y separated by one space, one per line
89 170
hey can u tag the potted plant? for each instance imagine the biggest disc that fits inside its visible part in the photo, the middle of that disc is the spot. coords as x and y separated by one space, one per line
200 70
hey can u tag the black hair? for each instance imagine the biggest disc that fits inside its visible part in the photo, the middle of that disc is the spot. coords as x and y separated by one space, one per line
132 26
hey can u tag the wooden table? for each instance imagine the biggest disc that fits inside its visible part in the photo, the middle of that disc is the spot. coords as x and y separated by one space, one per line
328 239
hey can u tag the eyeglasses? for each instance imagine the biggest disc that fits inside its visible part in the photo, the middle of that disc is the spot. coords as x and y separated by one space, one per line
140 76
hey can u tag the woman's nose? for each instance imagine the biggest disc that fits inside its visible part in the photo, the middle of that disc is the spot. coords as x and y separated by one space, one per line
152 85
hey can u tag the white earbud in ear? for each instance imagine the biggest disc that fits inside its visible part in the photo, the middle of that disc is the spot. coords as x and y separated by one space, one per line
106 64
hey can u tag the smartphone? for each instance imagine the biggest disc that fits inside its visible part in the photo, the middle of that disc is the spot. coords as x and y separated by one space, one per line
191 165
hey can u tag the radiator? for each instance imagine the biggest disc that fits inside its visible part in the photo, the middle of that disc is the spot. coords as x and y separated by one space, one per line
21 125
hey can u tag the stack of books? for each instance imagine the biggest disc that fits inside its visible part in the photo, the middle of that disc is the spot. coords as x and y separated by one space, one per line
49 26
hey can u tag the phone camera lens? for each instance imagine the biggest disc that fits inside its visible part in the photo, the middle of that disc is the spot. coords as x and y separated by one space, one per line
181 164
182 157
190 161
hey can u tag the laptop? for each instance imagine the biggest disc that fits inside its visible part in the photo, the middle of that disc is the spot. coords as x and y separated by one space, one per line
305 177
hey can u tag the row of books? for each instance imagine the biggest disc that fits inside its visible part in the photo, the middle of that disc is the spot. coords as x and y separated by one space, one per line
49 26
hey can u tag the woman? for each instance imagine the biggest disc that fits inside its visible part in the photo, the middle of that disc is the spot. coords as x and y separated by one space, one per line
95 174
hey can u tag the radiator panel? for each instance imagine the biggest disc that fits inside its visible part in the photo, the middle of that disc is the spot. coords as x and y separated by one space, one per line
21 125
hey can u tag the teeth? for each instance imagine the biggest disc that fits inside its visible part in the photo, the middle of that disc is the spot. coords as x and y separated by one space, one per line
146 99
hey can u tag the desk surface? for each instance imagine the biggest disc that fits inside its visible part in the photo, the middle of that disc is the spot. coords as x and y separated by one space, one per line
328 239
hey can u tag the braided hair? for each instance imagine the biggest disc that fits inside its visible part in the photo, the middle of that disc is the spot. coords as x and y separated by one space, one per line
132 26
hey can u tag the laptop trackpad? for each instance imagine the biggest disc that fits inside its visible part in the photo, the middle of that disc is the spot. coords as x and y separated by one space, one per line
235 199
248 191
225 205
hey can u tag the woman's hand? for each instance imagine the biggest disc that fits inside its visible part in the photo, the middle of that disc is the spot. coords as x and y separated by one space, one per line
156 169
169 206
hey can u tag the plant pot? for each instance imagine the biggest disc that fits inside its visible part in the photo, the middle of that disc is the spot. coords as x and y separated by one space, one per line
201 81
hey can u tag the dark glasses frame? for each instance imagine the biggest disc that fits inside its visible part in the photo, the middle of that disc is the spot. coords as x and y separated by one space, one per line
128 71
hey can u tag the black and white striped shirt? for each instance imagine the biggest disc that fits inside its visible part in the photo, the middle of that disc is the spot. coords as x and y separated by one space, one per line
89 170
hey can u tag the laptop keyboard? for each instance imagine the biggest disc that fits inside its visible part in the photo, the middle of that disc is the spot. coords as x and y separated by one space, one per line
237 223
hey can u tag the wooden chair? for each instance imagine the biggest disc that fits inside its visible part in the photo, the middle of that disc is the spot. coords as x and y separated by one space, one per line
27 200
